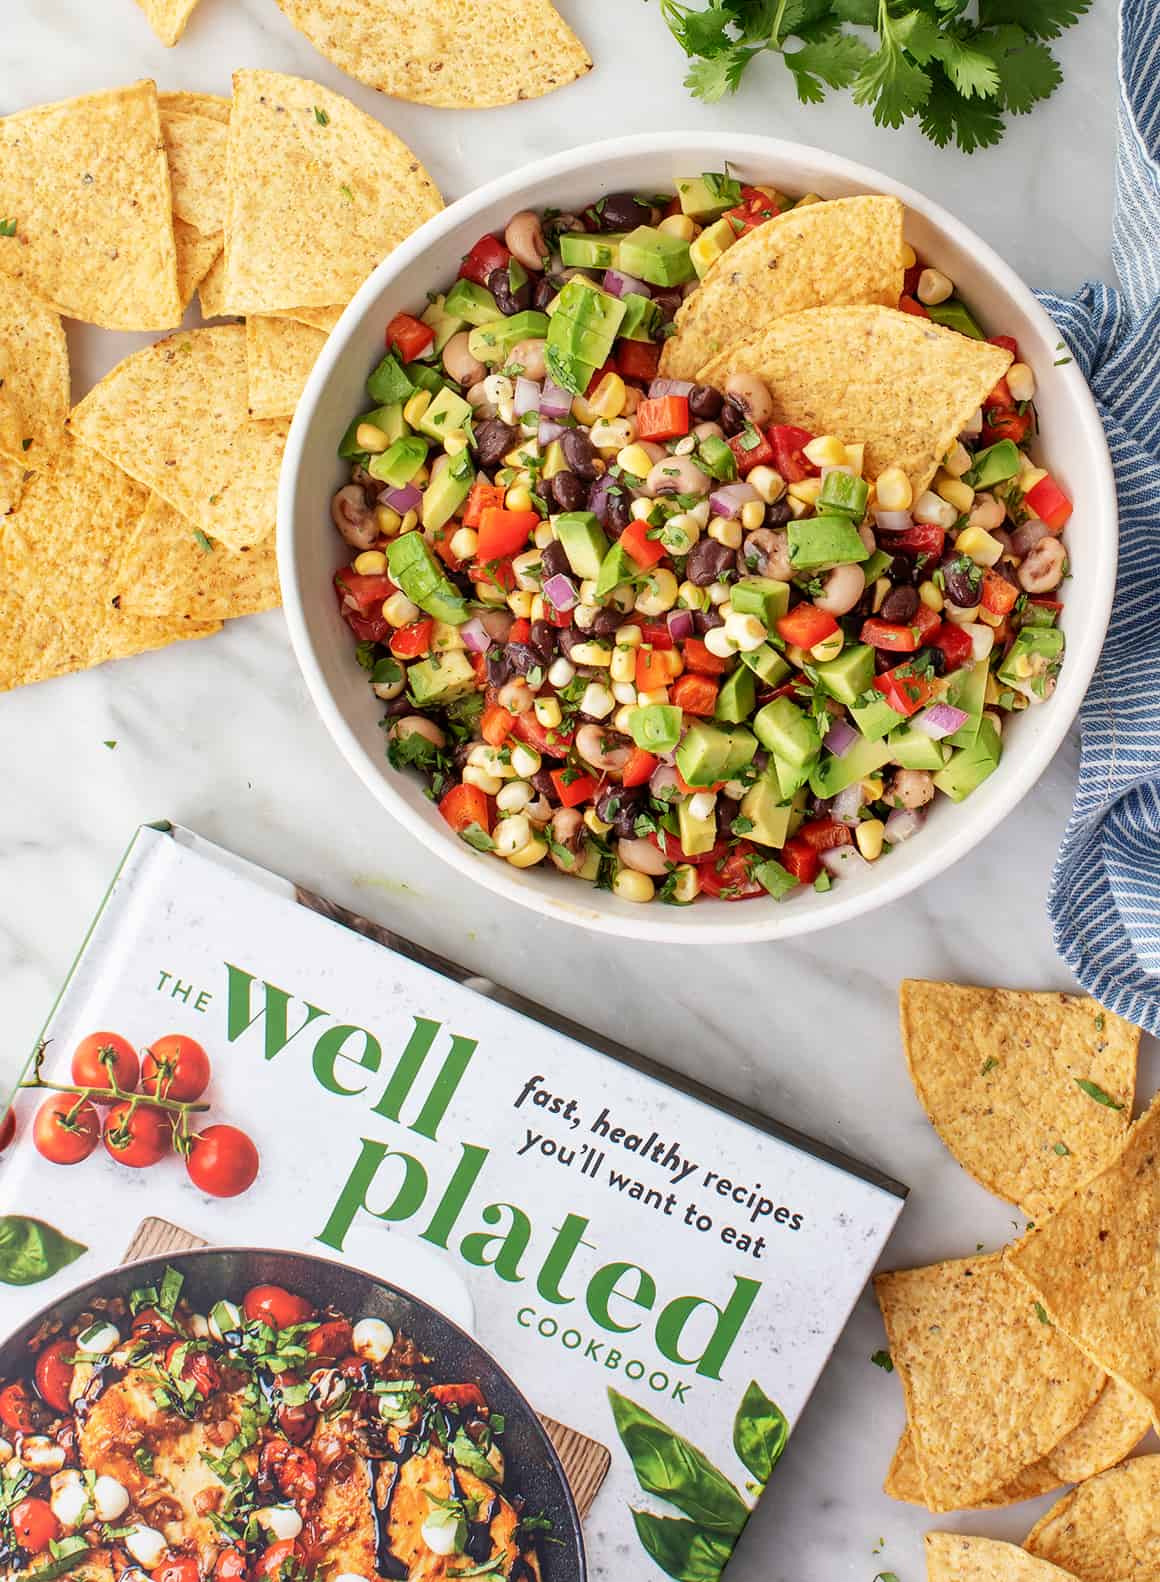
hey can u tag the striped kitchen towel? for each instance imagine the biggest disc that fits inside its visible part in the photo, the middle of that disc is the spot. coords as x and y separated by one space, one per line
1104 901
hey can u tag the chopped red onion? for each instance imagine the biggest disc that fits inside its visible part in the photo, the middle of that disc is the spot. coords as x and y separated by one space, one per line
903 823
842 860
847 804
669 387
663 779
554 400
405 499
475 636
681 625
548 430
618 284
728 500
840 737
497 624
893 521
941 719
560 592
527 396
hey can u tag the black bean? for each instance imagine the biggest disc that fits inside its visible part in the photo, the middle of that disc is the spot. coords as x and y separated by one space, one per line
543 640
545 785
543 291
708 561
618 515
899 605
569 637
523 658
605 622
579 453
727 811
777 514
706 620
493 439
400 705
884 660
621 211
506 300
961 580
554 561
569 492
499 667
934 657
705 403
732 418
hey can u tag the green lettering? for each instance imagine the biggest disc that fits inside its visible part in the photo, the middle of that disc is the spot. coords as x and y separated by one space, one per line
406 1073
450 1205
512 1244
328 1051
408 1198
241 1016
569 1240
726 1330
603 1287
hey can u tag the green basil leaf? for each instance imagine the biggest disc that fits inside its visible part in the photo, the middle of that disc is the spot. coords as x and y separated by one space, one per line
760 1431
682 1549
668 1466
31 1250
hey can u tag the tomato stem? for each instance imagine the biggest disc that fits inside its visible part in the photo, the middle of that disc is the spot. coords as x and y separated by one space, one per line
104 1095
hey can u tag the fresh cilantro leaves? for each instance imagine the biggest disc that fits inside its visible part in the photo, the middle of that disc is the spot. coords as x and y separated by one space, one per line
926 60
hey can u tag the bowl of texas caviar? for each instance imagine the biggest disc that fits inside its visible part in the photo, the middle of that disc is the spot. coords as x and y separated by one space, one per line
703 519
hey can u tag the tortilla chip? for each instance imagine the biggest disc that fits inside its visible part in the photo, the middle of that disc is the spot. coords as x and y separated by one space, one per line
825 255
1107 1530
904 1481
1095 1264
319 193
901 384
56 609
13 471
953 1557
34 386
187 103
168 18
196 256
461 54
989 1387
211 293
175 417
196 149
318 318
998 1071
279 356
168 567
86 184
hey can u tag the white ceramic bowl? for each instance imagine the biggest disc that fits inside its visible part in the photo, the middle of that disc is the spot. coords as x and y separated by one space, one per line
309 550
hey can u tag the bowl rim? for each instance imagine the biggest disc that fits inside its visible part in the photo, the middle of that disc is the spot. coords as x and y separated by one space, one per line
640 922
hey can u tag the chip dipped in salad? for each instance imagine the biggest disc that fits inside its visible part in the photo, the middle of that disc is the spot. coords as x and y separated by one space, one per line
728 635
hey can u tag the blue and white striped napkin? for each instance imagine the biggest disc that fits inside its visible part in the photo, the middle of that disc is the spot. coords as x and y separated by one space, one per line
1104 901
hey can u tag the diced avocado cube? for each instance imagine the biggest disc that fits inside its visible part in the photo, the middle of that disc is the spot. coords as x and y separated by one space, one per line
1033 662
737 696
850 674
790 777
968 767
471 303
420 576
583 541
742 747
768 812
389 384
817 541
775 878
642 318
874 719
967 689
447 411
787 731
955 315
399 463
765 597
703 201
424 377
697 835
582 283
712 244
716 457
387 418
657 257
767 665
1038 614
616 567
914 749
996 464
845 494
443 323
580 333
834 774
656 727
441 678
492 343
703 754
878 563
447 491
581 250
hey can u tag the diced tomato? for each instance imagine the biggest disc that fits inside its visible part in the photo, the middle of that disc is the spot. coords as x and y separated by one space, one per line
823 834
480 497
656 667
479 666
286 1552
955 644
498 572
903 689
197 1367
729 878
409 336
488 253
441 544
655 633
751 448
1005 423
666 417
1000 397
998 595
1008 343
644 550
366 592
1049 604
639 768
555 742
572 787
698 657
924 621
463 806
801 860
459 1395
670 846
1050 504
788 445
806 625
696 694
754 209
605 368
367 628
503 532
331 1339
921 539
520 630
686 789
495 724
890 635
910 280
411 641
54 1373
637 360
911 305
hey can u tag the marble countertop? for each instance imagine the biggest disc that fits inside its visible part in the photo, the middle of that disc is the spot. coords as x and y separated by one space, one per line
221 735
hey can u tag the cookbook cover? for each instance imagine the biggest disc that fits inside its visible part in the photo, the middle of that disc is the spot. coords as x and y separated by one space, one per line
613 1293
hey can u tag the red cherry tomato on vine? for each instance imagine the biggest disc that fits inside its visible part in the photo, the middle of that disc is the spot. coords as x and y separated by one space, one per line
296 1422
222 1161
34 1525
271 1562
178 1570
332 1338
291 1468
198 1368
7 1129
17 1409
230 1566
101 1057
54 1373
149 1324
66 1129
137 1137
175 1067
276 1306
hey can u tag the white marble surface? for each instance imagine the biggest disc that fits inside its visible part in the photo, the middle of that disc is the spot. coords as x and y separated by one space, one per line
221 736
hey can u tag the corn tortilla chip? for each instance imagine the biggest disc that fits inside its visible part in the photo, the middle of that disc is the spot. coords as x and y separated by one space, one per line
1095 1264
210 292
56 609
13 471
34 386
989 1387
998 1072
175 417
904 1481
168 18
318 318
187 103
825 255
1108 1529
196 149
953 1557
86 185
196 256
319 193
168 567
461 54
279 356
901 384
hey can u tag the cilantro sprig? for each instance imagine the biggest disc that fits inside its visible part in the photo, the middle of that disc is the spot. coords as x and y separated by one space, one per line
958 75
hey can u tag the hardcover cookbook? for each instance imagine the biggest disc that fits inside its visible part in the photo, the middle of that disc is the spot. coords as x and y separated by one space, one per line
433 1285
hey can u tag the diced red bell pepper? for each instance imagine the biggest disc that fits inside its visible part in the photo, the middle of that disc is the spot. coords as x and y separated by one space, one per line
366 591
911 305
890 635
955 643
800 860
520 630
921 539
823 834
686 789
806 625
1050 504
924 621
480 497
479 668
666 417
1001 423
409 336
903 689
697 657
488 253
637 360
495 724
655 633
788 444
441 544
465 805
639 768
503 532
655 667
751 448
367 628
554 742
411 641
696 694
1008 343
573 787
729 878
644 550
999 595
605 368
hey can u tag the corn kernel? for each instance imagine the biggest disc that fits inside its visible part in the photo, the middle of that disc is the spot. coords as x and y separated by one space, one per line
805 492
595 824
797 507
745 632
455 441
548 712
488 784
597 700
591 654
687 884
518 499
954 492
993 690
958 460
526 568
692 597
489 593
727 531
539 608
622 719
680 225
623 666
632 886
682 531
515 796
856 457
641 510
1020 382
634 459
658 592
543 535
371 563
881 589
1029 476
416 406
653 695
826 451
930 595
719 643
894 490
869 836
752 515
492 761
607 400
370 437
873 787
959 616
512 834
582 411
990 617
829 648
399 611
934 287
445 638
387 520
769 484
909 256
624 692
535 851
464 543
934 511
561 671
410 522
629 636
526 761
519 602
554 460
980 546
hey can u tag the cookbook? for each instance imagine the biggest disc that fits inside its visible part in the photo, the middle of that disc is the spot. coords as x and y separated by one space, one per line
656 1275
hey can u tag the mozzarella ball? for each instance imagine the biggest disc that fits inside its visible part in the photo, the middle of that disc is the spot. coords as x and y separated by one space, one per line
41 1454
372 1339
99 1338
110 1498
69 1498
280 1521
147 1546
